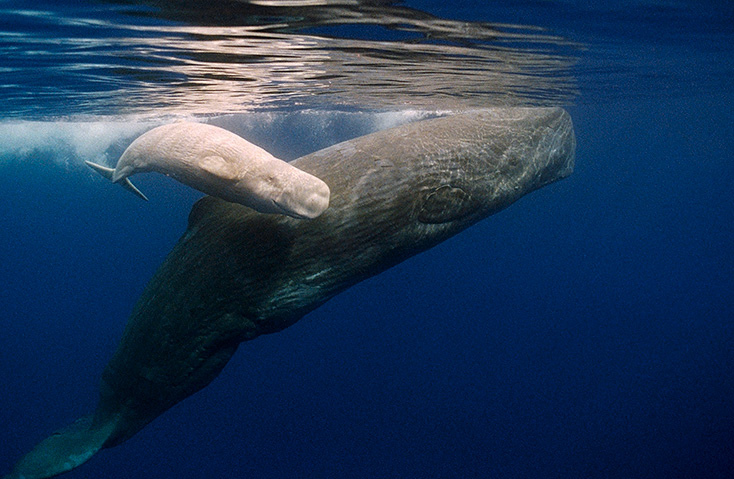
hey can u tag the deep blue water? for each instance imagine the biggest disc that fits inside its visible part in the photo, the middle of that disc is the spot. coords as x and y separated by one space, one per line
586 331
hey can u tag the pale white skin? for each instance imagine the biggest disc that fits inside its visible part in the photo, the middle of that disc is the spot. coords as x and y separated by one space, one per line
219 163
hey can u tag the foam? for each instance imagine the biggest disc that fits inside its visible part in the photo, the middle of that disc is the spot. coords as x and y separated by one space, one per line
64 142
70 143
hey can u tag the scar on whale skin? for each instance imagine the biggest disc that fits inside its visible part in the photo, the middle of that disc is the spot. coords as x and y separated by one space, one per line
221 164
236 274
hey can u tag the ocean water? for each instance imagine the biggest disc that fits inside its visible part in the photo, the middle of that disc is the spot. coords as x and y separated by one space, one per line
585 331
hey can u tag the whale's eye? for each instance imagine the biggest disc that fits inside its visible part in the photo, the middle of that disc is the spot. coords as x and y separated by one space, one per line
446 203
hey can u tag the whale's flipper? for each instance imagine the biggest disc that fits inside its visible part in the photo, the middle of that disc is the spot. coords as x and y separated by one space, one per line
63 450
125 182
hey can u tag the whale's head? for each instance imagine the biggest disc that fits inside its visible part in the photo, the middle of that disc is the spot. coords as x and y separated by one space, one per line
456 170
307 198
506 155
282 189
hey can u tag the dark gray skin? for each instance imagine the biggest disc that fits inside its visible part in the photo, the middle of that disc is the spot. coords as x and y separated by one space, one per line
236 274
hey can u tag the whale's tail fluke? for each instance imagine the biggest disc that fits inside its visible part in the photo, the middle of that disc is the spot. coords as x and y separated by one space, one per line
63 450
124 182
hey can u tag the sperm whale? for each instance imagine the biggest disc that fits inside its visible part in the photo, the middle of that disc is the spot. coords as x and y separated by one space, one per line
221 164
236 274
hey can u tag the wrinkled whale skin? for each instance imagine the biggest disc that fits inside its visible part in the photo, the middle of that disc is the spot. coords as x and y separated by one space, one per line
236 274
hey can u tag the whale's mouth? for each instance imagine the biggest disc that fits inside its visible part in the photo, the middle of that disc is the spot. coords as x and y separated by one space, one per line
280 209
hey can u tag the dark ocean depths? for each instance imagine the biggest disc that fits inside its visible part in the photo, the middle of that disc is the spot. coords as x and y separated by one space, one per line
587 331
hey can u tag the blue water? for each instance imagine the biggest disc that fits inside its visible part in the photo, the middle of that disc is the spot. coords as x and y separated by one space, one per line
586 331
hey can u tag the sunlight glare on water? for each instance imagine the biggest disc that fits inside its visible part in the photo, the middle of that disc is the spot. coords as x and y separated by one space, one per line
223 57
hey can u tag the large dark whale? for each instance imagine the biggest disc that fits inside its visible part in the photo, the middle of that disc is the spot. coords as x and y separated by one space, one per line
236 273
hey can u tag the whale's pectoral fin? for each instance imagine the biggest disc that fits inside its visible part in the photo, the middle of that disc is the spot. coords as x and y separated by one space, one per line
63 450
219 167
127 184
124 182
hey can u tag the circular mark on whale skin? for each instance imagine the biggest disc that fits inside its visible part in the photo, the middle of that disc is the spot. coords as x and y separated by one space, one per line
446 203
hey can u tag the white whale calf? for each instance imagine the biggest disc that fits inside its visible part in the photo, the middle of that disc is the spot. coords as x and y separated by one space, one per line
219 163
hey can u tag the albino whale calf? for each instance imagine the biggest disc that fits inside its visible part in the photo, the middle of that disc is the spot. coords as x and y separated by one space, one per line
236 274
219 163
